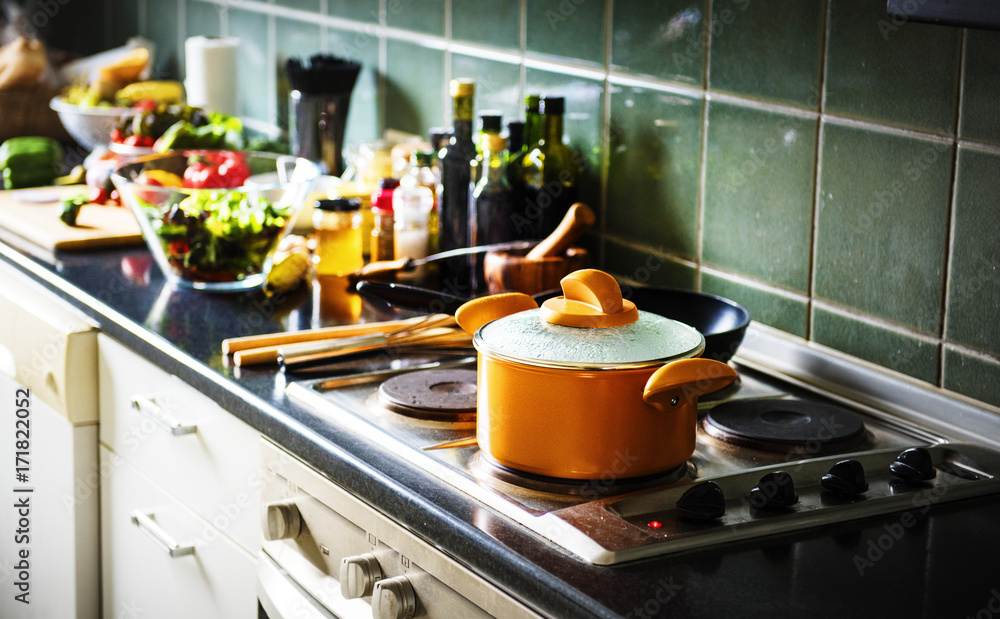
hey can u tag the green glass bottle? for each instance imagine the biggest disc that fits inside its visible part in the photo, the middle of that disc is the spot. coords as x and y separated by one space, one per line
518 148
551 174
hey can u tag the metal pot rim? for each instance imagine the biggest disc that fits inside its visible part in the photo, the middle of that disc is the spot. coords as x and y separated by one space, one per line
479 342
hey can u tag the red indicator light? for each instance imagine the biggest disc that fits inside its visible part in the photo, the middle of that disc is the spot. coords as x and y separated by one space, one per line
654 524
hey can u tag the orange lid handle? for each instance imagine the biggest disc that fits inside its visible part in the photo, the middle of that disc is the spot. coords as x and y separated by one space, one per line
591 299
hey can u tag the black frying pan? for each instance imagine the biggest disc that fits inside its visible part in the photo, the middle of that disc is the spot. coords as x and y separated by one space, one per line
721 321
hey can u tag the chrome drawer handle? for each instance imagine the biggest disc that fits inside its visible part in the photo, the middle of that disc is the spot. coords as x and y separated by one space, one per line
160 537
148 407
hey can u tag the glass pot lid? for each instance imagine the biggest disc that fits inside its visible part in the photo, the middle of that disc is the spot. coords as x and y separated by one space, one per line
589 327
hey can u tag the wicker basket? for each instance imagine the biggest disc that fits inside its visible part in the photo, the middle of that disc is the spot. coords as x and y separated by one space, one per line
26 111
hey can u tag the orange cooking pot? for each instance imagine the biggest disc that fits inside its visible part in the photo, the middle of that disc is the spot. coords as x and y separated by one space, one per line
586 386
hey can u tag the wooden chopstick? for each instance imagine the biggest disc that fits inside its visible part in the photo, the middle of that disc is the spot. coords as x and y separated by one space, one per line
246 353
235 344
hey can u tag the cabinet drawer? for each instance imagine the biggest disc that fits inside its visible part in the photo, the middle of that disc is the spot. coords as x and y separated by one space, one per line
140 578
209 459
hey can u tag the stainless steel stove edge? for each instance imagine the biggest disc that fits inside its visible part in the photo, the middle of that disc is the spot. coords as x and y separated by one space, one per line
865 385
625 535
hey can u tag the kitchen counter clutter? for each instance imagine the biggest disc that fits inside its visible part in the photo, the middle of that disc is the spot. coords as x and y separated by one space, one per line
919 561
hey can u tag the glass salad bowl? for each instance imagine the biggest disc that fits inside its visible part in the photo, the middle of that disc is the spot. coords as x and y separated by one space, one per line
202 232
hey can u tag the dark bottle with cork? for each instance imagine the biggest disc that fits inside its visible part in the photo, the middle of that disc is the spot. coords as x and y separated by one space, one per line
456 179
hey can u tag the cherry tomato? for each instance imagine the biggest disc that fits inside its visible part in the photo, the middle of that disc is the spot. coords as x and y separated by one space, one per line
146 105
98 195
139 140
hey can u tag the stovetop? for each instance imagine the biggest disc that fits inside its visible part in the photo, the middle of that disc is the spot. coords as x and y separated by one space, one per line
726 492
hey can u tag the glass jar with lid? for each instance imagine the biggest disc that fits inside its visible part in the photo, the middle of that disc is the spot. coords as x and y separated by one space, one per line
339 249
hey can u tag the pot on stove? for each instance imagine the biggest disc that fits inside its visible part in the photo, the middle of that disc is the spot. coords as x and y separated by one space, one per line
586 386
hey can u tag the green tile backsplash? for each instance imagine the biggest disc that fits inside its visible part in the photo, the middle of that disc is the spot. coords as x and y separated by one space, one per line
670 48
653 169
882 227
900 75
759 188
787 68
834 172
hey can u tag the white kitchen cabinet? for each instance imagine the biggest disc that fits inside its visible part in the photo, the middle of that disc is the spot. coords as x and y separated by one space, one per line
175 466
162 560
183 440
48 395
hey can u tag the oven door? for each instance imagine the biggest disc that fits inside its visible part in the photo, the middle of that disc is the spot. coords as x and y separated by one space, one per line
280 597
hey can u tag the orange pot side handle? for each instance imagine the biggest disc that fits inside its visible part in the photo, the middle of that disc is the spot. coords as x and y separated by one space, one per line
684 381
475 313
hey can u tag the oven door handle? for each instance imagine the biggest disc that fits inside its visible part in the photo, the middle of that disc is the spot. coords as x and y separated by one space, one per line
281 597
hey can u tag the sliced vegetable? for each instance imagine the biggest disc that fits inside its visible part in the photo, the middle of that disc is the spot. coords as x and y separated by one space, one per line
71 208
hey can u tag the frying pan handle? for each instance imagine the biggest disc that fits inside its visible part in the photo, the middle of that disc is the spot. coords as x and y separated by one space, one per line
683 381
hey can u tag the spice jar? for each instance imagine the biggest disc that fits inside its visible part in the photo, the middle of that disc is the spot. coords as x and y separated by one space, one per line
382 232
411 205
338 236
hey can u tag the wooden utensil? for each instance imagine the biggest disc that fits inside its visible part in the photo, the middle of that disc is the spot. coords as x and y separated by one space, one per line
547 263
578 219
264 348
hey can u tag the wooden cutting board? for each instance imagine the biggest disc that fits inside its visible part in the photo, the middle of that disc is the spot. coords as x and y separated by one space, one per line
98 226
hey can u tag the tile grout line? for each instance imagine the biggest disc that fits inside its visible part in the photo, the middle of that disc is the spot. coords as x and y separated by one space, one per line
703 152
522 46
874 321
383 61
446 82
757 284
272 76
817 171
324 31
181 32
952 211
605 171
142 17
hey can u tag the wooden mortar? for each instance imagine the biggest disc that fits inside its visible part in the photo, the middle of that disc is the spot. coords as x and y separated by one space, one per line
515 272
547 263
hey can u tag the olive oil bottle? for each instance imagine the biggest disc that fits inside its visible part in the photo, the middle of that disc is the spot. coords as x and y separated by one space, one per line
551 174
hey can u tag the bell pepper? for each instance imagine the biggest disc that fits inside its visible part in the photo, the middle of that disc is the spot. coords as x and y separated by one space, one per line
29 161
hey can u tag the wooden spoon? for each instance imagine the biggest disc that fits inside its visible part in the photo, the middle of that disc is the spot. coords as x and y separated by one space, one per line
578 219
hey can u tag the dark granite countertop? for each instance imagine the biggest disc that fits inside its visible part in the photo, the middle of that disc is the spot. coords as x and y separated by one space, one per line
932 569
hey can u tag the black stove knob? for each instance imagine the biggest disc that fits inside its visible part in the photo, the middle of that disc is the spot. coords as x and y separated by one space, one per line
774 491
846 478
913 465
703 501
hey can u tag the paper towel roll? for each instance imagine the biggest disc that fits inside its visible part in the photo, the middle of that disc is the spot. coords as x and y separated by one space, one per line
210 73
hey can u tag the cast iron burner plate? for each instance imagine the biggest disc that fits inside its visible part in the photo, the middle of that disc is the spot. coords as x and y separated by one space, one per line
437 395
782 425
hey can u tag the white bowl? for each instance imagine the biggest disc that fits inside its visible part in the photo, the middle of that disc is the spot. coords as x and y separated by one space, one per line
89 126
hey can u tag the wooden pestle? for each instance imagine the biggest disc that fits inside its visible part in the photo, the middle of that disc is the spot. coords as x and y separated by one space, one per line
579 218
